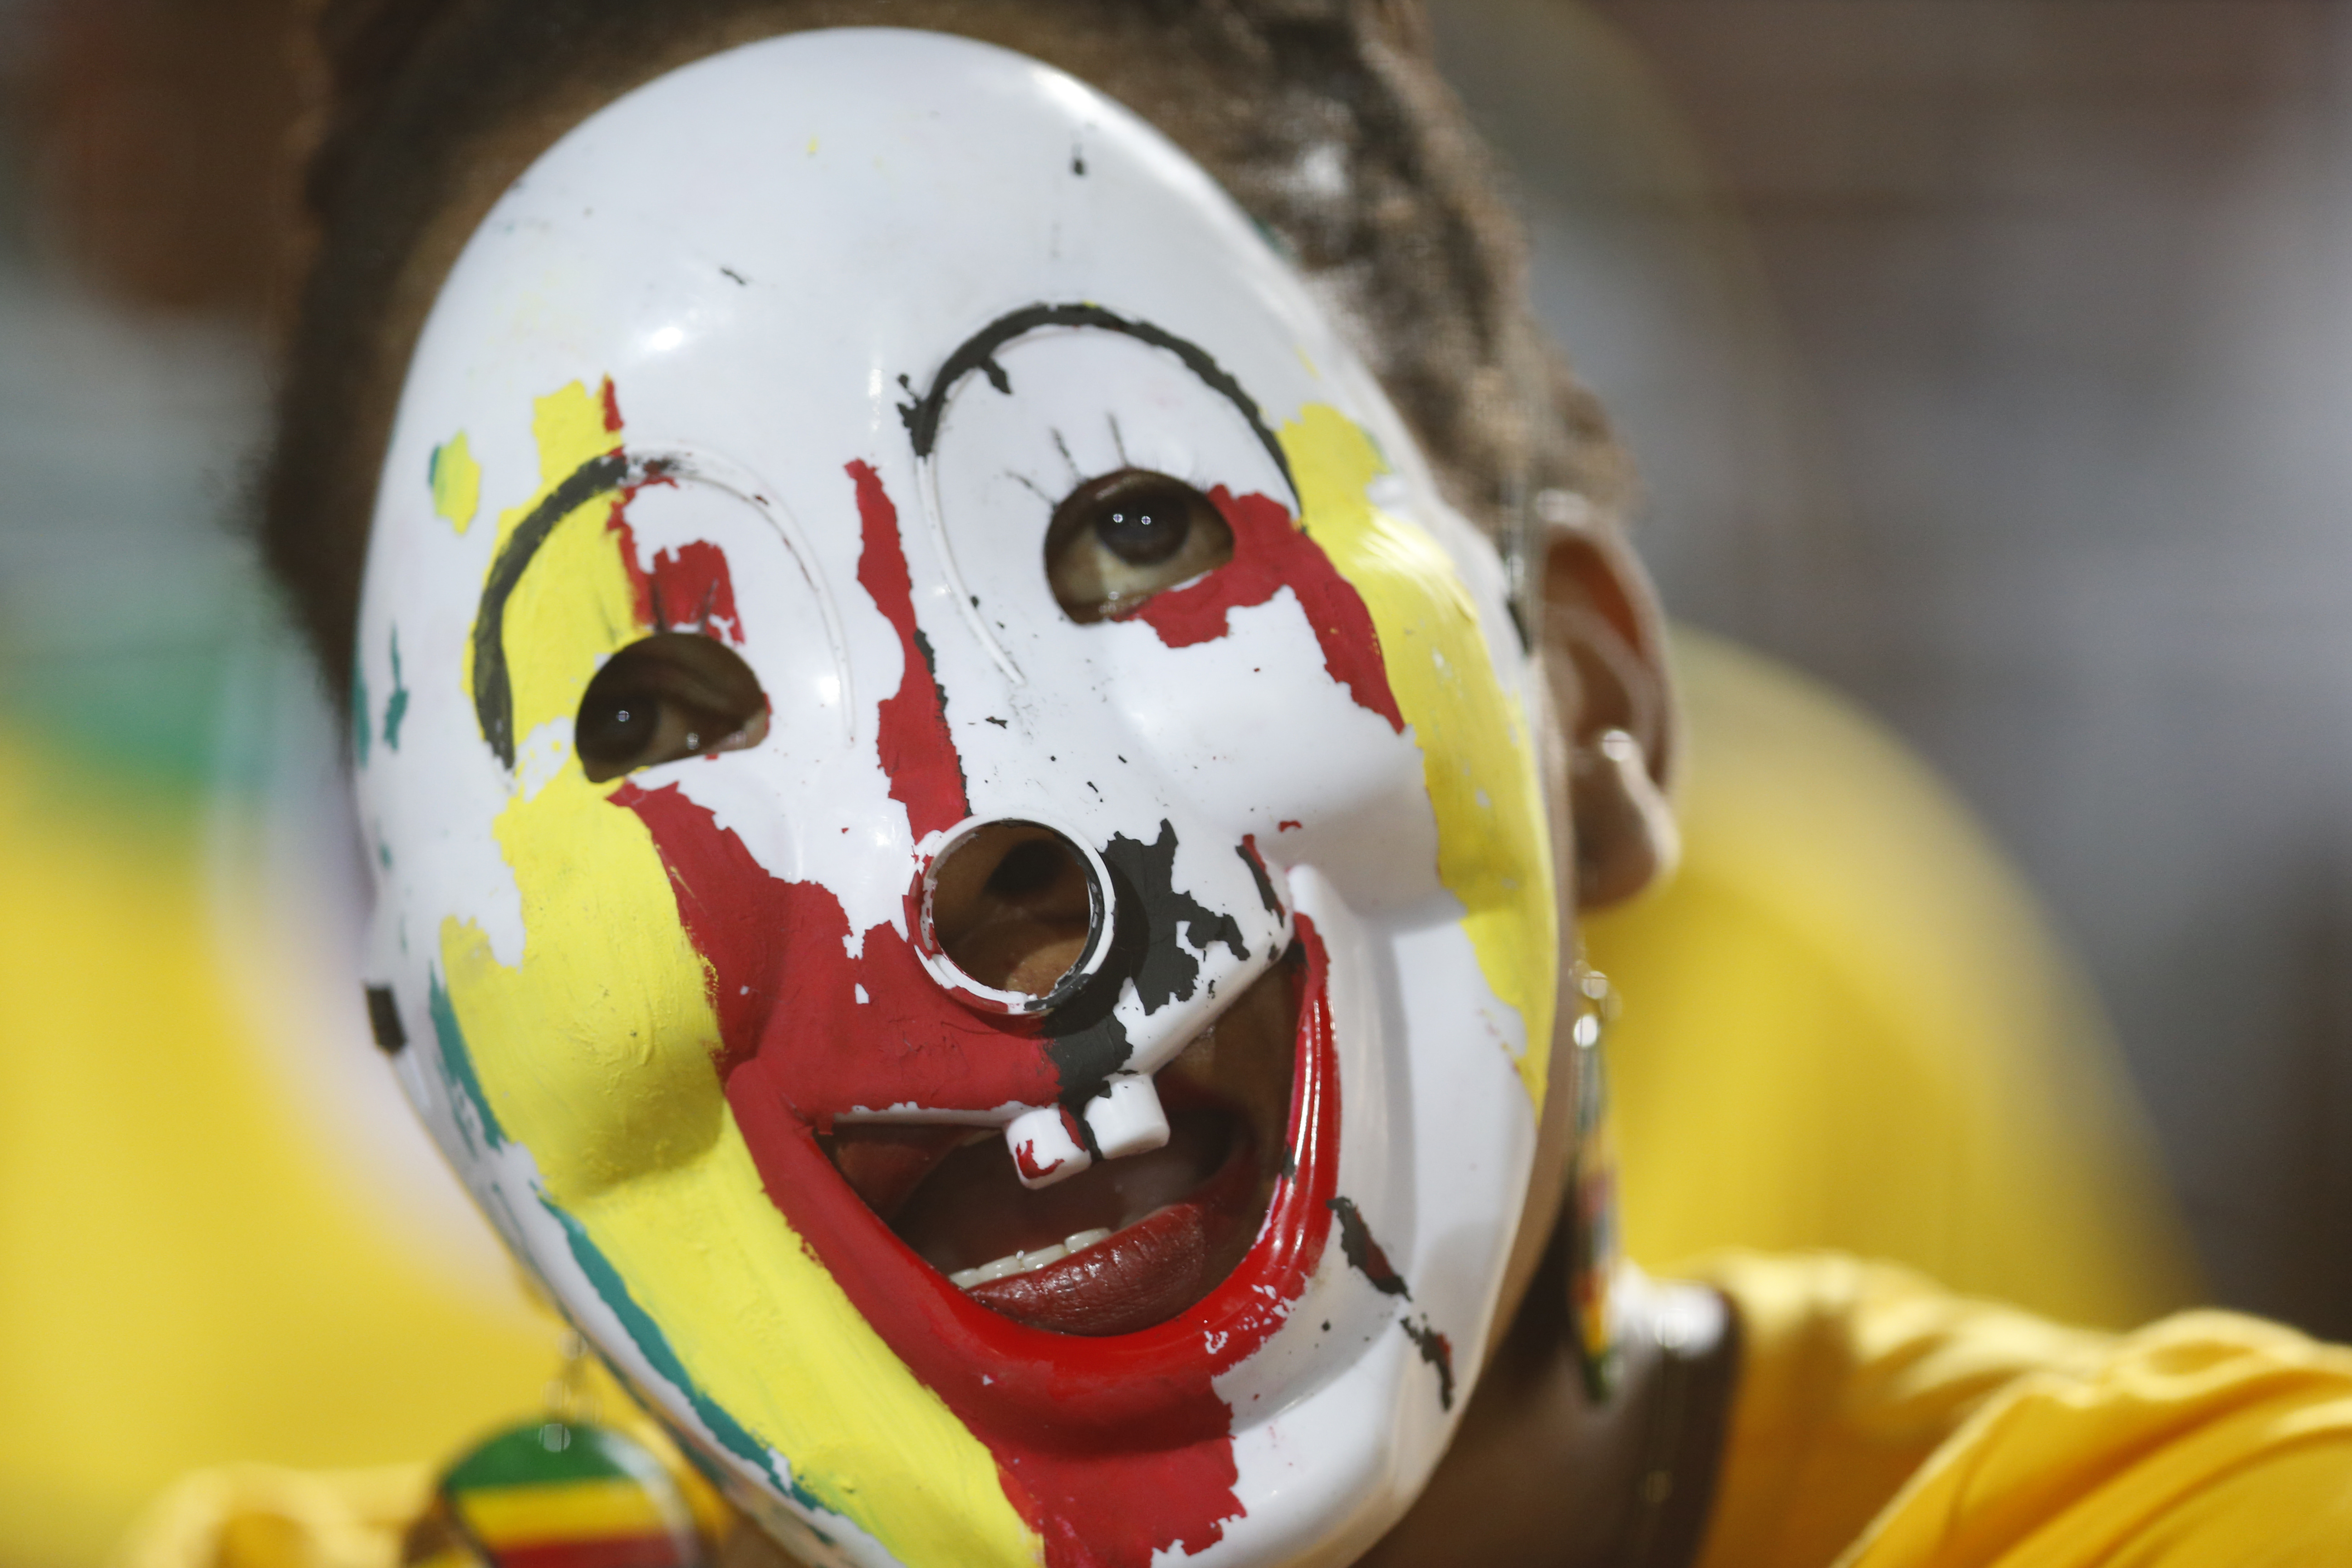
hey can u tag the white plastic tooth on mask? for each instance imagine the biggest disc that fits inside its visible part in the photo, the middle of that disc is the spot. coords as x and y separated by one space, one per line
1126 1118
1045 1146
1023 1262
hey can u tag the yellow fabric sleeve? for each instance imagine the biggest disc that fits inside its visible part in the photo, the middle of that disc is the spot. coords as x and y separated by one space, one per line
2206 1441
1851 1375
1880 1423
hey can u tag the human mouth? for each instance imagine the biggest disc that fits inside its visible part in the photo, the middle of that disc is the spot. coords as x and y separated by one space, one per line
1165 1228
1130 1242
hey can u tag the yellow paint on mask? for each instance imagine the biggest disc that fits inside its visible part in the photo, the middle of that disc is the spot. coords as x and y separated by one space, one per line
1478 763
606 1026
574 606
625 1021
595 1054
768 1333
456 482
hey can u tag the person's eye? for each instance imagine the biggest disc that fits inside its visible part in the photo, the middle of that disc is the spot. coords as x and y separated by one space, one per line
1118 540
668 696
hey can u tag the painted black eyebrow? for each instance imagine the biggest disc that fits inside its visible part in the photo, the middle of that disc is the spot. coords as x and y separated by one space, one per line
493 687
978 352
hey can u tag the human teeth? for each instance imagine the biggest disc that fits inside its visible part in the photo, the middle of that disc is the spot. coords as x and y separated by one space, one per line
1045 1146
1126 1118
1009 1264
1023 1262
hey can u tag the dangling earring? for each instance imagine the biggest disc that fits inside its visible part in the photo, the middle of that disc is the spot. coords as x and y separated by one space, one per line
558 1490
1595 1247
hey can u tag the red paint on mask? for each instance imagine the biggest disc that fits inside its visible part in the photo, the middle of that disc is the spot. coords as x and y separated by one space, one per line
690 590
785 987
1025 1153
918 751
1272 552
1115 1449
766 940
1112 1449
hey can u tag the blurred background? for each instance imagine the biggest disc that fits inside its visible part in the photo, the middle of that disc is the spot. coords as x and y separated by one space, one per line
1988 366
1991 361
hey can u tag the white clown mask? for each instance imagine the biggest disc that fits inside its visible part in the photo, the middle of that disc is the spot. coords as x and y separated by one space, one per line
961 855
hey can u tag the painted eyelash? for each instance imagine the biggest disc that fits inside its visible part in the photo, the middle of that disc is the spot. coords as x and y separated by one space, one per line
1192 474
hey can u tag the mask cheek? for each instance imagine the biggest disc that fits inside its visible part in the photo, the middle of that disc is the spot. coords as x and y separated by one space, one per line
596 1052
1323 778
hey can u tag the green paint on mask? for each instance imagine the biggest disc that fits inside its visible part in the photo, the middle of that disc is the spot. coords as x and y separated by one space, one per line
457 1066
395 706
655 1346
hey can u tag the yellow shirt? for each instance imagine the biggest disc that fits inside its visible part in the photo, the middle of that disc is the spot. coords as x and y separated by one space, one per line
1880 1423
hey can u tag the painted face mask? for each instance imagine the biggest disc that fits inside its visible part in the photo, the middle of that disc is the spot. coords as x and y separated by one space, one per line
962 864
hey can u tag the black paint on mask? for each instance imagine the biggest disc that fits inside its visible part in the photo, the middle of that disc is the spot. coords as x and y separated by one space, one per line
978 352
1153 920
383 1017
1364 1254
493 688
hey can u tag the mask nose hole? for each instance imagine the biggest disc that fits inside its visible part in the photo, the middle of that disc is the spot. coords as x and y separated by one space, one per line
1012 915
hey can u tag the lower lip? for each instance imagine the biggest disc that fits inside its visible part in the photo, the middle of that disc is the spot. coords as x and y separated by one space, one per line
1145 1274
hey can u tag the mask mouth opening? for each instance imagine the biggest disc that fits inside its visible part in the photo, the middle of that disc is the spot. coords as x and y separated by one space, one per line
1128 1243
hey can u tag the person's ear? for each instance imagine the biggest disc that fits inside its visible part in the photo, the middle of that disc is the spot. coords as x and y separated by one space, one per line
1605 662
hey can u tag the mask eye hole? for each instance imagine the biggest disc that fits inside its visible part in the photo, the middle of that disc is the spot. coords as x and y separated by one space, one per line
1120 538
668 696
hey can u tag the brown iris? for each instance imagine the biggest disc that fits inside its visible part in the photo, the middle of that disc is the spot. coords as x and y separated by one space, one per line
671 695
1120 538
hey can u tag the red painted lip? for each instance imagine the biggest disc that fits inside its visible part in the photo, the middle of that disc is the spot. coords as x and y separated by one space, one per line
1144 1274
1181 1217
1112 1445
1060 1391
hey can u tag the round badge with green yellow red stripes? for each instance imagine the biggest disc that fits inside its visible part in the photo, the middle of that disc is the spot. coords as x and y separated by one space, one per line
554 1494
